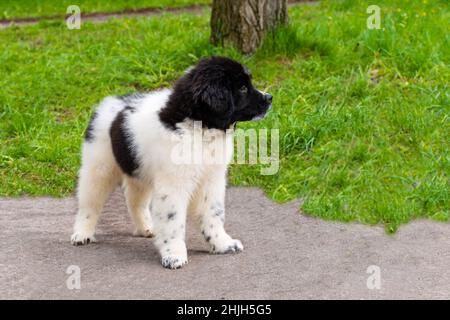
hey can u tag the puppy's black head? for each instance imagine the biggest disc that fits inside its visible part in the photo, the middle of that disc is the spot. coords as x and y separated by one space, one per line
217 91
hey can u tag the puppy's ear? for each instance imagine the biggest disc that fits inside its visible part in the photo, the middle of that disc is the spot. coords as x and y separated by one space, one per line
213 90
220 99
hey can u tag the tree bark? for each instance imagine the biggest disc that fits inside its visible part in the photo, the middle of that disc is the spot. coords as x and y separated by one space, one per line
244 23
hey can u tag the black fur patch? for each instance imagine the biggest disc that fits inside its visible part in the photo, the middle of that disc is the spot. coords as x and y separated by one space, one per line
131 109
121 142
130 97
89 133
171 215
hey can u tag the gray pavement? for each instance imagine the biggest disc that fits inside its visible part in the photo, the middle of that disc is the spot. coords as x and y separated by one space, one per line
287 256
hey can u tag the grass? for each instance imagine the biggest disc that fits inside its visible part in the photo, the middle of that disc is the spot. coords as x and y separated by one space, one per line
363 114
13 9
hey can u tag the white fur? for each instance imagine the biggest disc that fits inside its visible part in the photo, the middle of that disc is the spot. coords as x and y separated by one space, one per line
159 199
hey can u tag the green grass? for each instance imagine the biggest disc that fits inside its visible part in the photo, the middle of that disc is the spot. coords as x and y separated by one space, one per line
376 152
10 9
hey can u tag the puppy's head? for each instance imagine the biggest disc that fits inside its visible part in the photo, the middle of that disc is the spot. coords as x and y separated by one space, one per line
218 91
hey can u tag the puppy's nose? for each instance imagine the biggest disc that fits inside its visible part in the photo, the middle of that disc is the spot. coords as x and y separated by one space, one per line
268 97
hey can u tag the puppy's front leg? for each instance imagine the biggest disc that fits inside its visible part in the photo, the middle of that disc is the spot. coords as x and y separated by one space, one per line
210 208
168 209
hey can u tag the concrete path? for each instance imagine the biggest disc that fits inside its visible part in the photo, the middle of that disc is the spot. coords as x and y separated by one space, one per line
287 256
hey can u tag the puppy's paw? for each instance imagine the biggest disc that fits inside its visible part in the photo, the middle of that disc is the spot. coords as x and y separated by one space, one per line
78 239
229 246
174 256
146 233
173 261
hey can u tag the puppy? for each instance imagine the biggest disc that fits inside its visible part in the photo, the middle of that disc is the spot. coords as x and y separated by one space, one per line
130 141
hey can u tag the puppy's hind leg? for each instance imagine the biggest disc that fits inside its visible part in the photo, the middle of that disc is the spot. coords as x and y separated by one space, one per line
99 176
137 196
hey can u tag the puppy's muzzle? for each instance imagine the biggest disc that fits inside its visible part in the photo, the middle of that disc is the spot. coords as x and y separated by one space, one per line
267 97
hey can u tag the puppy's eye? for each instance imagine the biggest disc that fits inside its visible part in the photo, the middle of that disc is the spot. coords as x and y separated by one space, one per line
243 90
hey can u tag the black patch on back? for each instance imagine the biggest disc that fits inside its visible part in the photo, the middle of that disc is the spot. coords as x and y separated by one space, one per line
89 133
121 143
130 97
128 108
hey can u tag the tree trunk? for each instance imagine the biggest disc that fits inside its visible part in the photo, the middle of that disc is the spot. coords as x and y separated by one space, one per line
244 23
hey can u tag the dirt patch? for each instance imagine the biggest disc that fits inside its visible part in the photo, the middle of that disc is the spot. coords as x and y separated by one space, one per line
103 16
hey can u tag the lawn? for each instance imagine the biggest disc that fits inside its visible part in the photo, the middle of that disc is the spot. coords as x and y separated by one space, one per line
364 115
11 9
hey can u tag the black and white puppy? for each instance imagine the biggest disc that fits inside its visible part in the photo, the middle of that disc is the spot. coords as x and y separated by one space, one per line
129 141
